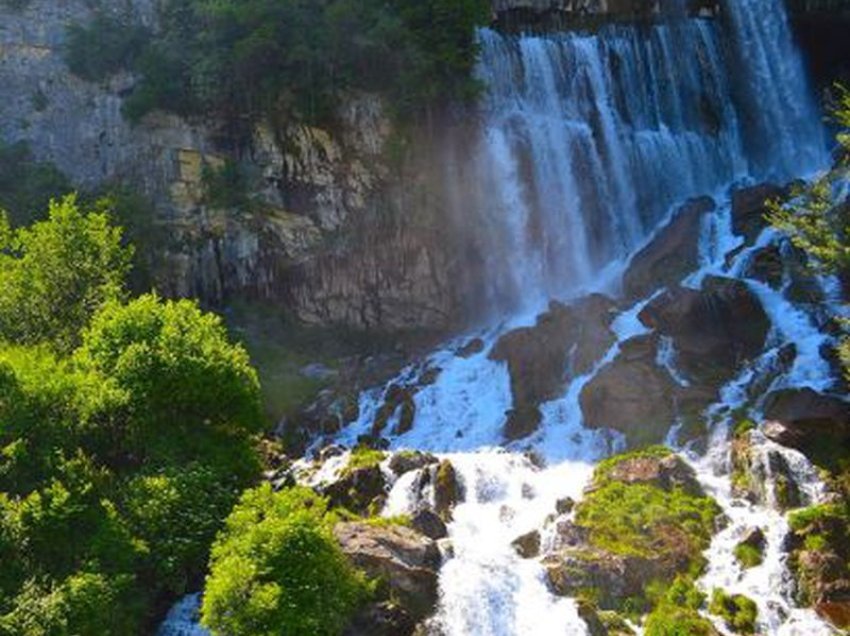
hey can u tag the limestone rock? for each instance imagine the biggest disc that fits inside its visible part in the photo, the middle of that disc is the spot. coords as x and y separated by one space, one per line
671 255
406 560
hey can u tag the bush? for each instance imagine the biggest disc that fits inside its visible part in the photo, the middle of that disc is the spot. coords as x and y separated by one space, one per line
277 569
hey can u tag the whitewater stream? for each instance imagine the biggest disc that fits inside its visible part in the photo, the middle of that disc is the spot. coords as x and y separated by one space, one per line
587 144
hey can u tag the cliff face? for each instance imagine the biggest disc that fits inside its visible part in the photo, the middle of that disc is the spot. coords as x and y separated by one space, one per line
317 240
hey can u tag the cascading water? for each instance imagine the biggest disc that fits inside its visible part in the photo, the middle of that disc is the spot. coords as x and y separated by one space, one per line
585 144
587 140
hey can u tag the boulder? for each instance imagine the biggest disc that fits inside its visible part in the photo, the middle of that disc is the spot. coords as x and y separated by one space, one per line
632 394
667 473
813 423
357 489
588 612
714 329
406 560
766 265
565 341
474 346
447 489
428 522
521 422
749 208
381 619
405 461
671 255
565 505
396 398
527 545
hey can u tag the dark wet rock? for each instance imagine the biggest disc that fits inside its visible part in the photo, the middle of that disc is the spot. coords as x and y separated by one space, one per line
714 329
632 394
522 422
527 545
407 561
766 265
428 522
474 346
447 490
813 423
396 398
357 489
763 476
671 255
381 619
565 341
332 450
405 461
565 505
749 206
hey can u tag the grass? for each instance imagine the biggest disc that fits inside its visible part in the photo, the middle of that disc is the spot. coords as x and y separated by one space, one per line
748 555
363 457
677 612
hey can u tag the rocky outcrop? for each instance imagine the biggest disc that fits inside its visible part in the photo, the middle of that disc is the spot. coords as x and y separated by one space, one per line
448 491
671 255
405 560
527 545
360 490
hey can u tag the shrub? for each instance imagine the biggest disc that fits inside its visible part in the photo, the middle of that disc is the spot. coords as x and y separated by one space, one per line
104 47
277 569
677 613
27 185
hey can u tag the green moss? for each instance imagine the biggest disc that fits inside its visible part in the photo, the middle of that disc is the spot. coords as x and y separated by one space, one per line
363 457
737 611
677 613
743 427
748 555
604 468
636 519
389 522
804 519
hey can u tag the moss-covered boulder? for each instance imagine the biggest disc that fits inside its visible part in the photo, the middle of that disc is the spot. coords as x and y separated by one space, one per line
644 520
820 553
738 612
749 552
447 489
677 612
361 486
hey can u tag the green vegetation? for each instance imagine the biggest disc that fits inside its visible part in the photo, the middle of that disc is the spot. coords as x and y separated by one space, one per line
126 433
819 227
737 611
677 613
106 46
276 569
749 556
225 186
639 519
364 457
243 59
27 185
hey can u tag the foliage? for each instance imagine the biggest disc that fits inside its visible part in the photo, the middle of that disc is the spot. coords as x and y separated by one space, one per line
276 569
27 185
104 47
55 274
677 613
224 186
737 611
120 458
244 59
364 457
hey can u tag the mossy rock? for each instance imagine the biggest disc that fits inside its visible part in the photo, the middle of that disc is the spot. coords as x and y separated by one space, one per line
738 612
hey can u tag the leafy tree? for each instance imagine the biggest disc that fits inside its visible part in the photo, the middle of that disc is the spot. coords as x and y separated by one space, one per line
104 47
276 569
55 274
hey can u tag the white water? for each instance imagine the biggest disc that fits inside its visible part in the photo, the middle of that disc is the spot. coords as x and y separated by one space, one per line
586 144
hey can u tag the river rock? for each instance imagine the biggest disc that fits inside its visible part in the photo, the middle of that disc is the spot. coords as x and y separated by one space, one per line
671 255
407 560
405 461
714 329
381 619
632 394
447 489
767 266
428 522
527 545
565 341
749 209
357 489
809 421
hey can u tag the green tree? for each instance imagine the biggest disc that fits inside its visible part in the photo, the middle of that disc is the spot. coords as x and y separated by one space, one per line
27 185
55 274
276 569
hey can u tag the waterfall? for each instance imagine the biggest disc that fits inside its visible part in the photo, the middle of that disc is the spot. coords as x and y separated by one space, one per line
586 140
